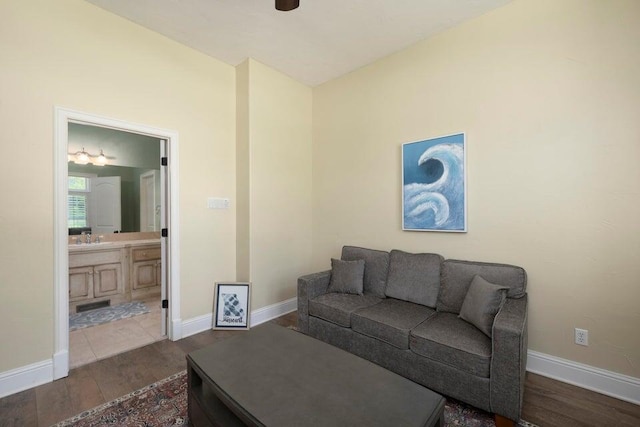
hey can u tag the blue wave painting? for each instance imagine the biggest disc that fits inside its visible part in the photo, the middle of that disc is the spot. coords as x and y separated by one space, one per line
434 184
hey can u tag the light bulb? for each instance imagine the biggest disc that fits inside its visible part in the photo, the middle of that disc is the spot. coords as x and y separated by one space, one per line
82 158
101 160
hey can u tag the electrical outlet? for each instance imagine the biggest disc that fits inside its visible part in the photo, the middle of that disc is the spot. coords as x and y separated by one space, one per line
582 336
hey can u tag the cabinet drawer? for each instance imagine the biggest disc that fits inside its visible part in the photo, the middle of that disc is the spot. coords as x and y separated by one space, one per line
145 254
94 258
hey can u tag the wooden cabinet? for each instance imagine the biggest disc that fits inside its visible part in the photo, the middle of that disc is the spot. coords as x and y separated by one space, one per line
96 275
146 267
117 272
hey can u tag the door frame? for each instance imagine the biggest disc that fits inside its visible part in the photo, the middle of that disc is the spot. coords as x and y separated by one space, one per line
62 118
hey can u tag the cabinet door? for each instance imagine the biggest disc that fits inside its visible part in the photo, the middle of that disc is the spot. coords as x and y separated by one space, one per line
80 283
144 274
107 279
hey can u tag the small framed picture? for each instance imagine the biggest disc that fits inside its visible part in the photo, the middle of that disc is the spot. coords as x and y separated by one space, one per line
232 305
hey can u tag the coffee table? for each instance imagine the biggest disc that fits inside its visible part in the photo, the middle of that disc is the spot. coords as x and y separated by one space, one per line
277 377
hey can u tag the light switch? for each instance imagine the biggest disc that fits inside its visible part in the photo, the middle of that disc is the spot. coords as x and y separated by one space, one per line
217 203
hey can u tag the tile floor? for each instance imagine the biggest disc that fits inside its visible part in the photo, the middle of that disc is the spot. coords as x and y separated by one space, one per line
100 342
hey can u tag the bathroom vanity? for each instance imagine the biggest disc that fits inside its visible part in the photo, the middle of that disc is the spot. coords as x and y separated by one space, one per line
118 271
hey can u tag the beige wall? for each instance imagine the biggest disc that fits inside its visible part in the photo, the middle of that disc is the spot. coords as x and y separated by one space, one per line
274 182
548 93
72 54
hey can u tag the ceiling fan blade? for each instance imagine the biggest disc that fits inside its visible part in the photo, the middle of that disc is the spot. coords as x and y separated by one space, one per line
287 5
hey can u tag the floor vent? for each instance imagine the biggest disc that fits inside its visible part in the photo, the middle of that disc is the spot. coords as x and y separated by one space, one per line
93 306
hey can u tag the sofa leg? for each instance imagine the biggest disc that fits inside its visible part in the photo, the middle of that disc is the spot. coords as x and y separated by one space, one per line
502 421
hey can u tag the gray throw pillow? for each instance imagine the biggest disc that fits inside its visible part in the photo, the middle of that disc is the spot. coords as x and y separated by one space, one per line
347 276
482 303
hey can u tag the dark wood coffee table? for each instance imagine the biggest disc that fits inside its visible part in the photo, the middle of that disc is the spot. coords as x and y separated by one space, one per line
273 376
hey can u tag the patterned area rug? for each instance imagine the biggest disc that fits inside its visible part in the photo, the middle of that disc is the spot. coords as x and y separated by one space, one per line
460 414
164 404
161 404
99 316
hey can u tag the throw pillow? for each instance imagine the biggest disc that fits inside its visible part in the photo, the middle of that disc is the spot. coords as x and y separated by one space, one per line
482 303
347 276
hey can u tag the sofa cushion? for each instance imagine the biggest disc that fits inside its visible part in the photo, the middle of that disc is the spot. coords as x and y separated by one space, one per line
375 270
447 339
482 303
337 308
346 276
456 277
390 321
414 277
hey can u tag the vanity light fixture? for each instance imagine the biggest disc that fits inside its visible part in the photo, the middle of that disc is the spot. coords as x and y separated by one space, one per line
84 158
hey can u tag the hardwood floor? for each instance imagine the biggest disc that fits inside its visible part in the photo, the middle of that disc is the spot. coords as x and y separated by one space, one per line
546 402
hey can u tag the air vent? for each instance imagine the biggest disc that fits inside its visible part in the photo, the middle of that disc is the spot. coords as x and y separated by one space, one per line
93 306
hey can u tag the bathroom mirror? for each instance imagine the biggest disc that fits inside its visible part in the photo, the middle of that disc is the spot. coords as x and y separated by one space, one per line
133 160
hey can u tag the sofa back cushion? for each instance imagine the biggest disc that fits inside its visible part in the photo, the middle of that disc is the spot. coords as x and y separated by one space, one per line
376 267
414 277
456 277
347 277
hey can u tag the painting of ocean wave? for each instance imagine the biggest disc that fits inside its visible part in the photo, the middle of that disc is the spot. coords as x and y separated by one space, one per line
434 184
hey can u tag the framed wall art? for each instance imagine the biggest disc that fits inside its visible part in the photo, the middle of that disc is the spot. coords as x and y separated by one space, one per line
232 305
434 184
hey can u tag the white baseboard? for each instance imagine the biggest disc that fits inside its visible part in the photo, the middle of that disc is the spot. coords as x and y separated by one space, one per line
273 311
609 383
261 315
26 377
197 325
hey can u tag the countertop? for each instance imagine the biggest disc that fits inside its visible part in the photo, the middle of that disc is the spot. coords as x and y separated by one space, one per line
111 245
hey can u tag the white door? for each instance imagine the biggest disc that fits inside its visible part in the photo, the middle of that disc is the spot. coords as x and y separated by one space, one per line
150 201
105 215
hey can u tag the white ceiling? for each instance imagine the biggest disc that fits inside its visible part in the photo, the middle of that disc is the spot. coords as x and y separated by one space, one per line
317 42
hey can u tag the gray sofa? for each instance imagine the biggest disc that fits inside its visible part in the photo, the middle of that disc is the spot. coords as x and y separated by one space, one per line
403 311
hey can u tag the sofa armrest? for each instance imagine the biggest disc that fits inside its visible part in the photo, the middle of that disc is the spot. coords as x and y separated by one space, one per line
309 287
509 358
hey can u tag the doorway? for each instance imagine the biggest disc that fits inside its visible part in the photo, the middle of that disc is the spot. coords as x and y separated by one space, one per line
168 220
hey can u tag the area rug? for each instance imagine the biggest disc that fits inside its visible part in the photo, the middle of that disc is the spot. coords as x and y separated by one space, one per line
164 404
99 316
160 404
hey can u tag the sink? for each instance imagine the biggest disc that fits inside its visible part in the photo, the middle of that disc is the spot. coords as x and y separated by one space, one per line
89 245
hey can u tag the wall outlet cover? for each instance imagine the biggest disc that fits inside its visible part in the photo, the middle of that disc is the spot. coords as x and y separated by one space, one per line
581 336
